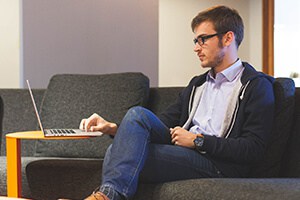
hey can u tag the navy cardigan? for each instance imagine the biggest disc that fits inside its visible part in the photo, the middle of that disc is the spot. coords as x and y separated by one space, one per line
245 141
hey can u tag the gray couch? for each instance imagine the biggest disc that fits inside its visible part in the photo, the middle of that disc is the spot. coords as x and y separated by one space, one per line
72 169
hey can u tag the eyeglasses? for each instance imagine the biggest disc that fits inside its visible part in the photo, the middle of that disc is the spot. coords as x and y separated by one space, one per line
202 39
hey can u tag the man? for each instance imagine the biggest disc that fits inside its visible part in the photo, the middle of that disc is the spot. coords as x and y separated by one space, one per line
218 127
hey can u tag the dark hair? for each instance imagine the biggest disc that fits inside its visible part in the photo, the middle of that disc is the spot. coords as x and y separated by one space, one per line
224 19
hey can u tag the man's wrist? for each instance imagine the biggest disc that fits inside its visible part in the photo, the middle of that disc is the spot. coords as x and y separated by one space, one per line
199 142
113 128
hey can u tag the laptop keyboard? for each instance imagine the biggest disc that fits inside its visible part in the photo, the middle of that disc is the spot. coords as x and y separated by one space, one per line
62 131
70 132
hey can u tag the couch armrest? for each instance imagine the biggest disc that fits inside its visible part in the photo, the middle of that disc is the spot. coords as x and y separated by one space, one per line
18 115
1 118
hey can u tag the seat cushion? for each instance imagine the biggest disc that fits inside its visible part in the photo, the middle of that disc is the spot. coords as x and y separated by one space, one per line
284 91
51 179
3 184
226 189
69 98
67 178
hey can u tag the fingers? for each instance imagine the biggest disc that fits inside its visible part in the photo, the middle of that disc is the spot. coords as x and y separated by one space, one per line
86 124
97 128
182 137
175 140
173 130
174 134
81 126
91 121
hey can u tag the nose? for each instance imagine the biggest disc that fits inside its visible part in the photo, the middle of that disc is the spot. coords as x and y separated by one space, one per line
197 47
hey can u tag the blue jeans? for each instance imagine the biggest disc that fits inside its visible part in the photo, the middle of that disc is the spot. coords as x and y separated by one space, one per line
142 151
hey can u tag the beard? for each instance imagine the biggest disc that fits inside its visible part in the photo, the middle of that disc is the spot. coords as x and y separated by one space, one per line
217 59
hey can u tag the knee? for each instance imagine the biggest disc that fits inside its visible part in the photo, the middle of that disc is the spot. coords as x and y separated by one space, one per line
136 110
136 113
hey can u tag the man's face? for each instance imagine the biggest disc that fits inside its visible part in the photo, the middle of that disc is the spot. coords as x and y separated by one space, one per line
211 52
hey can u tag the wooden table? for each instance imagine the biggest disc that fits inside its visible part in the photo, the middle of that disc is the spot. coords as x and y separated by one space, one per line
13 156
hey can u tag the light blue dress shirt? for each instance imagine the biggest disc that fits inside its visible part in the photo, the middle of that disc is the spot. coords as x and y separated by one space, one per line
210 113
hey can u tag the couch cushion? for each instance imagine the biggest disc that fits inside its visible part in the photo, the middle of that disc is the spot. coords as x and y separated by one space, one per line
161 98
50 179
25 188
69 98
68 178
226 189
284 90
291 161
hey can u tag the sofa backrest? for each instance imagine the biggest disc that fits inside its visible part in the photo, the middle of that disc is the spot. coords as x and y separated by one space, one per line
162 97
18 115
21 117
71 97
291 160
284 91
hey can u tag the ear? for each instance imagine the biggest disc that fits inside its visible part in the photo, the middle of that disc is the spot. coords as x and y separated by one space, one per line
228 38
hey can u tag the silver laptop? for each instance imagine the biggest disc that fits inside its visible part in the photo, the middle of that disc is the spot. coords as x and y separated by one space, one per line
59 132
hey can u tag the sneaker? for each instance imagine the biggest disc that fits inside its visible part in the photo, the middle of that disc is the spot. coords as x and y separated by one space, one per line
97 196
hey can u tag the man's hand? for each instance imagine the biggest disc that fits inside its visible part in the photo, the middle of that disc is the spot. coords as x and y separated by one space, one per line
182 137
97 123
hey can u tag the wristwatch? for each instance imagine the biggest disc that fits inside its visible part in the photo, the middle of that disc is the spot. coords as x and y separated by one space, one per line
199 141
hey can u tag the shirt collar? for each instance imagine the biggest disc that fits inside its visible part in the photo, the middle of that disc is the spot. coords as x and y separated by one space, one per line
229 73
